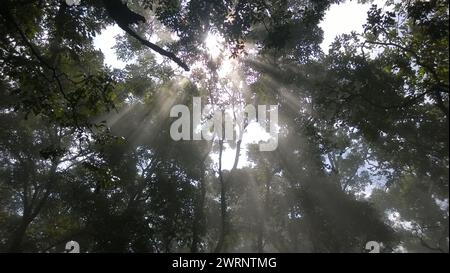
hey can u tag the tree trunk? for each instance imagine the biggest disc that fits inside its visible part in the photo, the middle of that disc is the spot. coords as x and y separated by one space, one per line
223 205
199 213
19 234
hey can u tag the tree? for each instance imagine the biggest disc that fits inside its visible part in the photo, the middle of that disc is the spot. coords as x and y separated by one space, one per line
86 151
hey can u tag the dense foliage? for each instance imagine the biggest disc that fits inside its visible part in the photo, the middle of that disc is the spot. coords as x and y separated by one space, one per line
86 152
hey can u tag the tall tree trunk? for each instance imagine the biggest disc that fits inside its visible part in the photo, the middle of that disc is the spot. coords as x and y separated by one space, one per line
223 204
262 222
264 212
199 213
19 235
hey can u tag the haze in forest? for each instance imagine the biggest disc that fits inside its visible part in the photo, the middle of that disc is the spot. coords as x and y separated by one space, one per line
88 156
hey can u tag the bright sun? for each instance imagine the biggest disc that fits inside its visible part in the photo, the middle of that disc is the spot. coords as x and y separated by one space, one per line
214 44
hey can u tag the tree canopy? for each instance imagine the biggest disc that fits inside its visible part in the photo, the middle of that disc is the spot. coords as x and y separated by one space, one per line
87 154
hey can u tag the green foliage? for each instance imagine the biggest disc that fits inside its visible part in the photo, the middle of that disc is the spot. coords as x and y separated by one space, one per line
86 152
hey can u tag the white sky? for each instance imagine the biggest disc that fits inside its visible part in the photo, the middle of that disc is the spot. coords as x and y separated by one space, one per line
105 42
344 18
